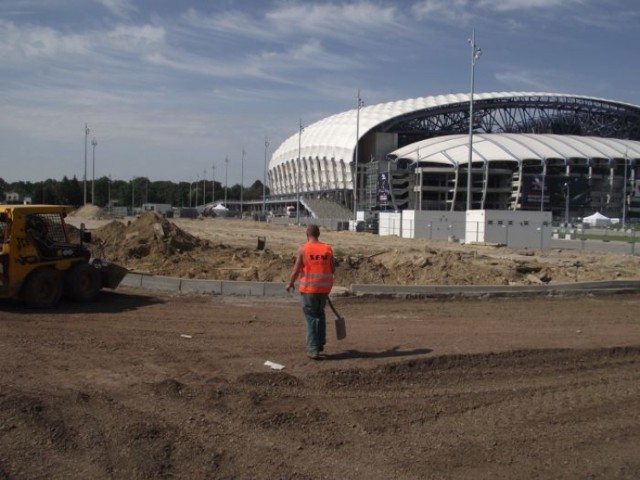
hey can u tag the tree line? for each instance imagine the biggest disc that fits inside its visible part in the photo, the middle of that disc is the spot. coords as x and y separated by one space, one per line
128 193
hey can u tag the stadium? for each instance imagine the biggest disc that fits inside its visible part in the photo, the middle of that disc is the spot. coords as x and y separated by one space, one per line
566 154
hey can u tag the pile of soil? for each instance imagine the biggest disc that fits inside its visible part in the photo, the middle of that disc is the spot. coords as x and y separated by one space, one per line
89 212
154 245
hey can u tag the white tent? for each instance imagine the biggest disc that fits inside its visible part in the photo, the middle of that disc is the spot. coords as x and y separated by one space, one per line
597 220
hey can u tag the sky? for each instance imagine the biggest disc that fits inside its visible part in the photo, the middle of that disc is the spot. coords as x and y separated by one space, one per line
169 88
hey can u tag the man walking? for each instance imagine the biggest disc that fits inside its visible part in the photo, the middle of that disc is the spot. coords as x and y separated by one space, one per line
314 265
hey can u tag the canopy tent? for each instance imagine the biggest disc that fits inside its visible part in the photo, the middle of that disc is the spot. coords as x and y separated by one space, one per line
597 220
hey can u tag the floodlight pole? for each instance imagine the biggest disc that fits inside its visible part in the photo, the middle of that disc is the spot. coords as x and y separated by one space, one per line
300 130
242 182
213 183
204 187
226 176
566 203
196 183
624 191
94 143
264 182
86 135
475 54
355 162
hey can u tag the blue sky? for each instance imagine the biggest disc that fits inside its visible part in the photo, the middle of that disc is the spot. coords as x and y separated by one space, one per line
170 88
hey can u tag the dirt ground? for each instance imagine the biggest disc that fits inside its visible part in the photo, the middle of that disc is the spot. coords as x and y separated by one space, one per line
143 385
225 249
138 385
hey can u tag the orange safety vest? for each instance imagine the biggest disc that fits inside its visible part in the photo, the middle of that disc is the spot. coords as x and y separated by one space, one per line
317 271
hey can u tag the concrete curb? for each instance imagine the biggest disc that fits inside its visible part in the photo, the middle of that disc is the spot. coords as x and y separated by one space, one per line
276 289
580 288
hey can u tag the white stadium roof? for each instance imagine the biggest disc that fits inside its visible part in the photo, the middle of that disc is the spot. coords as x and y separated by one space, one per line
454 149
334 137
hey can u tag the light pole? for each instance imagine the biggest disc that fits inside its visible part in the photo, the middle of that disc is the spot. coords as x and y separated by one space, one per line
109 194
196 184
190 183
475 54
264 182
300 130
226 173
133 180
242 182
94 143
624 192
86 135
213 183
355 162
204 187
566 203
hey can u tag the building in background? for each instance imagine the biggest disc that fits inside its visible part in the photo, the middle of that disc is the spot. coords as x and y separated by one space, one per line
568 154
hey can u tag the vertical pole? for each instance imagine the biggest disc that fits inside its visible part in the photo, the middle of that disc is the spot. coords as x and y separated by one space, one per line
84 182
355 163
226 176
544 179
566 204
300 130
204 188
624 193
213 183
94 142
264 182
475 54
132 194
242 183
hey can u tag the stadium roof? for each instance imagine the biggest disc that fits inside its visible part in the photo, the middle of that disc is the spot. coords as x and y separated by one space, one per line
454 149
335 136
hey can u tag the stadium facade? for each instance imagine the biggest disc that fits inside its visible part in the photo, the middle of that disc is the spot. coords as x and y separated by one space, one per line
531 151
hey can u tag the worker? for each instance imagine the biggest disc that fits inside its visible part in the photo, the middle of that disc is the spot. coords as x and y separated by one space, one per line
314 265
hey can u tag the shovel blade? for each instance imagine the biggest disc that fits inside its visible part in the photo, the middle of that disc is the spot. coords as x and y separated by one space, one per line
341 328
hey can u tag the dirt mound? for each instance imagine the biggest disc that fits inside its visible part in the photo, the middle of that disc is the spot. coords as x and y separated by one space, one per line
90 212
151 235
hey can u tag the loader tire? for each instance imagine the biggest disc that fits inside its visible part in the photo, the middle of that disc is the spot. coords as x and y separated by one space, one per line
82 283
43 288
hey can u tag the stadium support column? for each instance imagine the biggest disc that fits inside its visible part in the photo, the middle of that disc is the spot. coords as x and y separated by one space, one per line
475 54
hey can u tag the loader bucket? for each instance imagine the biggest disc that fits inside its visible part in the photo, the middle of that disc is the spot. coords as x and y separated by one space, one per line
111 273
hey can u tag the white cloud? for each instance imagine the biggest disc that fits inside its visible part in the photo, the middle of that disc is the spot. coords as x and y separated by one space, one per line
526 79
127 36
36 41
463 11
329 20
510 5
120 8
446 10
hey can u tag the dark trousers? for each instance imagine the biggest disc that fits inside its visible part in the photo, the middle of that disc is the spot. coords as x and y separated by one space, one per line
313 308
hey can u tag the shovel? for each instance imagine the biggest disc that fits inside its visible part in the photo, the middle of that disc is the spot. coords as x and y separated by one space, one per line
341 326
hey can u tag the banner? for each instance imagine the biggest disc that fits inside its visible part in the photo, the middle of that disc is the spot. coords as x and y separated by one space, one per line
383 192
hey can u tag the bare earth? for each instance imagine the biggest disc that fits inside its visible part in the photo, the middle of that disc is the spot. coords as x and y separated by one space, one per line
142 385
